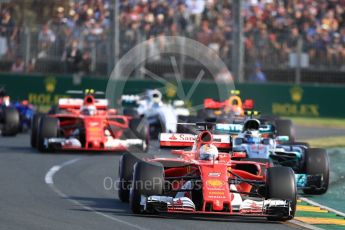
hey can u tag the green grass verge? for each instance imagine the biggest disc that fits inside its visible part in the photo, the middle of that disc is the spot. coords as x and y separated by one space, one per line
326 142
319 122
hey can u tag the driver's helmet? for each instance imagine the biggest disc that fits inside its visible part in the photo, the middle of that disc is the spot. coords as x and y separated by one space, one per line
251 125
156 96
208 152
252 136
249 137
88 110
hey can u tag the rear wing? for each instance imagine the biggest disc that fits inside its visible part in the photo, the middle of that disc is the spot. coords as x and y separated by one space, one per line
179 140
209 103
130 100
234 129
77 103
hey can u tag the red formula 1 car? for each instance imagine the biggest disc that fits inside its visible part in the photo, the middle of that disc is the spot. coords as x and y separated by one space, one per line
205 181
88 124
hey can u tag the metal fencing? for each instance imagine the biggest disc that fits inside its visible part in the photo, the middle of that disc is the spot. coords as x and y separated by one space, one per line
90 51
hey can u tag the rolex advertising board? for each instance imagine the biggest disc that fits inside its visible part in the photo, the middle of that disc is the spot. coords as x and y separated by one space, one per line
278 99
296 100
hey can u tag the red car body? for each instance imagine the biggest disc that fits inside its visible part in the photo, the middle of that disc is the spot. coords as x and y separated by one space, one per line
224 182
103 130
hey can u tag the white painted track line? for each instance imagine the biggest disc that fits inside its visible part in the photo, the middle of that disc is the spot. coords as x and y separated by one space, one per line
49 180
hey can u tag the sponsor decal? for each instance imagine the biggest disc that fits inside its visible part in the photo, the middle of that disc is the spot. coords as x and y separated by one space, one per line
173 138
182 137
257 147
218 193
214 174
50 84
94 129
296 108
214 183
94 124
296 94
44 98
217 197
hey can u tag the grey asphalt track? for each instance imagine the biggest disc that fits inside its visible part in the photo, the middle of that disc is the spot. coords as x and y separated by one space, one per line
79 199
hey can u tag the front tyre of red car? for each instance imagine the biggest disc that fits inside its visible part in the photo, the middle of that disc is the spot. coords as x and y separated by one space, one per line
281 184
126 165
48 128
147 181
34 129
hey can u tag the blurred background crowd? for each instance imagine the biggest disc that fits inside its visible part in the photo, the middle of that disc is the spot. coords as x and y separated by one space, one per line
37 35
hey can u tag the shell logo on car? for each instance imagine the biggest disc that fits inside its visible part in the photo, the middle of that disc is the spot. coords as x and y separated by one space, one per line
214 183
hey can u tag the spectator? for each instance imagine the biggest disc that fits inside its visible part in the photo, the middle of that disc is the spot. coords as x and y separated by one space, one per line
8 30
225 76
73 57
271 28
46 38
258 76
18 66
205 34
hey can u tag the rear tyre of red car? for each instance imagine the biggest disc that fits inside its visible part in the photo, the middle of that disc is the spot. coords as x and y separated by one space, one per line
317 163
48 128
126 165
11 122
147 181
34 128
281 184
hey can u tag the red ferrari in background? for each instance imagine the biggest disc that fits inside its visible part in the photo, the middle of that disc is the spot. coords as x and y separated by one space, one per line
206 181
88 125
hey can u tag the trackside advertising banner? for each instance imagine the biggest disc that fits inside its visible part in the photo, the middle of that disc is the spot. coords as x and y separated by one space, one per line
280 99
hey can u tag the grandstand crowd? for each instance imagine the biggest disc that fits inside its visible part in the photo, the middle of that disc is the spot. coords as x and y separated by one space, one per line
80 31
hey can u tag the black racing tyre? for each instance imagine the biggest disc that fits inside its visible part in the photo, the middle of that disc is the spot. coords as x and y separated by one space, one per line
285 128
281 184
187 128
147 181
130 112
11 122
34 129
317 162
206 114
56 110
48 128
139 128
126 165
157 128
265 118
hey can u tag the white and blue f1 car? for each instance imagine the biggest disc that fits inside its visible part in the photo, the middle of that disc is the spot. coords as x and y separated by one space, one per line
258 142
